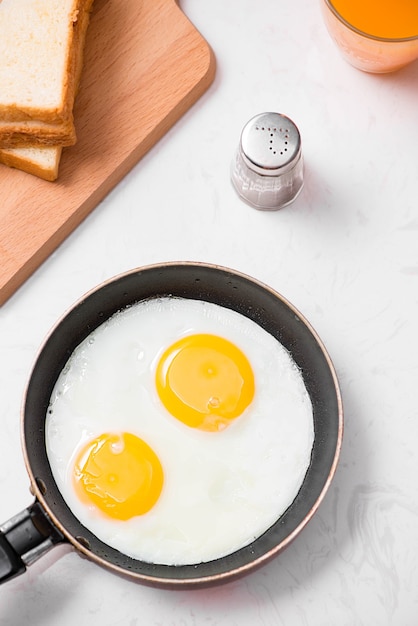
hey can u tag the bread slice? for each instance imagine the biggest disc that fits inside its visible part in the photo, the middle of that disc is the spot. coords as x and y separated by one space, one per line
41 45
40 161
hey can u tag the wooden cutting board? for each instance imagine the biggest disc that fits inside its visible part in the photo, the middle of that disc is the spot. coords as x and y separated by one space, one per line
145 65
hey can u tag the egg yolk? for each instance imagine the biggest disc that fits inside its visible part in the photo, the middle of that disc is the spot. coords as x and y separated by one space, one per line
205 381
120 474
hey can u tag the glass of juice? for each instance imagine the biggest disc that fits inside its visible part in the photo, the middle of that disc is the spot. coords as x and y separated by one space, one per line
374 35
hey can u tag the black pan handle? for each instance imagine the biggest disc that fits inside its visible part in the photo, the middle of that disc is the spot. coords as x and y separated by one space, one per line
24 538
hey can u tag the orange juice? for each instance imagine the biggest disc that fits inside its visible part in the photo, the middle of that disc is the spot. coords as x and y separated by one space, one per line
389 19
374 35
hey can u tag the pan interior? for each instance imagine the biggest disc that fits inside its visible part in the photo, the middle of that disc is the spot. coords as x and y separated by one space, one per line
231 290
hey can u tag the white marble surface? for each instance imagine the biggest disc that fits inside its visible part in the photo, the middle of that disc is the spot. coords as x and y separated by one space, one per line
345 254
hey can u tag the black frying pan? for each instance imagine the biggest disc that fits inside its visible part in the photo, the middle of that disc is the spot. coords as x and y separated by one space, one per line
49 521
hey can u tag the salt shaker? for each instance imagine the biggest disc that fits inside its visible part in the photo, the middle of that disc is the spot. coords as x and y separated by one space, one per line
267 171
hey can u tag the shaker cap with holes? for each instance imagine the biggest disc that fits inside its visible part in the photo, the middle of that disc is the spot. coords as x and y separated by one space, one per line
268 168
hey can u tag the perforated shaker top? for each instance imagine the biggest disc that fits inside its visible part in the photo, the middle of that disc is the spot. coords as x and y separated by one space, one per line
270 144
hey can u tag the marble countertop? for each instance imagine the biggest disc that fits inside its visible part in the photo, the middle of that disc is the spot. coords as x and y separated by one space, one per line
345 254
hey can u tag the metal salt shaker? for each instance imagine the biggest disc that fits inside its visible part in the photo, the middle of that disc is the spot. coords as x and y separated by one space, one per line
267 171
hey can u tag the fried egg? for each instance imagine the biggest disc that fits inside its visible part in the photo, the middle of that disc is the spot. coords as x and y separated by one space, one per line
179 431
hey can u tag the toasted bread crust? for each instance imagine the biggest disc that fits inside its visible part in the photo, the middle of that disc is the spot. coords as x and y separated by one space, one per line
21 136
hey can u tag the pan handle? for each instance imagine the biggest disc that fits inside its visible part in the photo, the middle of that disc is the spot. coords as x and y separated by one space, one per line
24 538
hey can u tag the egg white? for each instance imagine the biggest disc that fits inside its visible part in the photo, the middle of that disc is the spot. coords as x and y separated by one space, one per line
221 490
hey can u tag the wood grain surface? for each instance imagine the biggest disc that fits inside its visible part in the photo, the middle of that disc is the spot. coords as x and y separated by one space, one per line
145 65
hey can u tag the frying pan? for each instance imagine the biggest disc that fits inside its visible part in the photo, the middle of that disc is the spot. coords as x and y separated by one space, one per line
48 520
